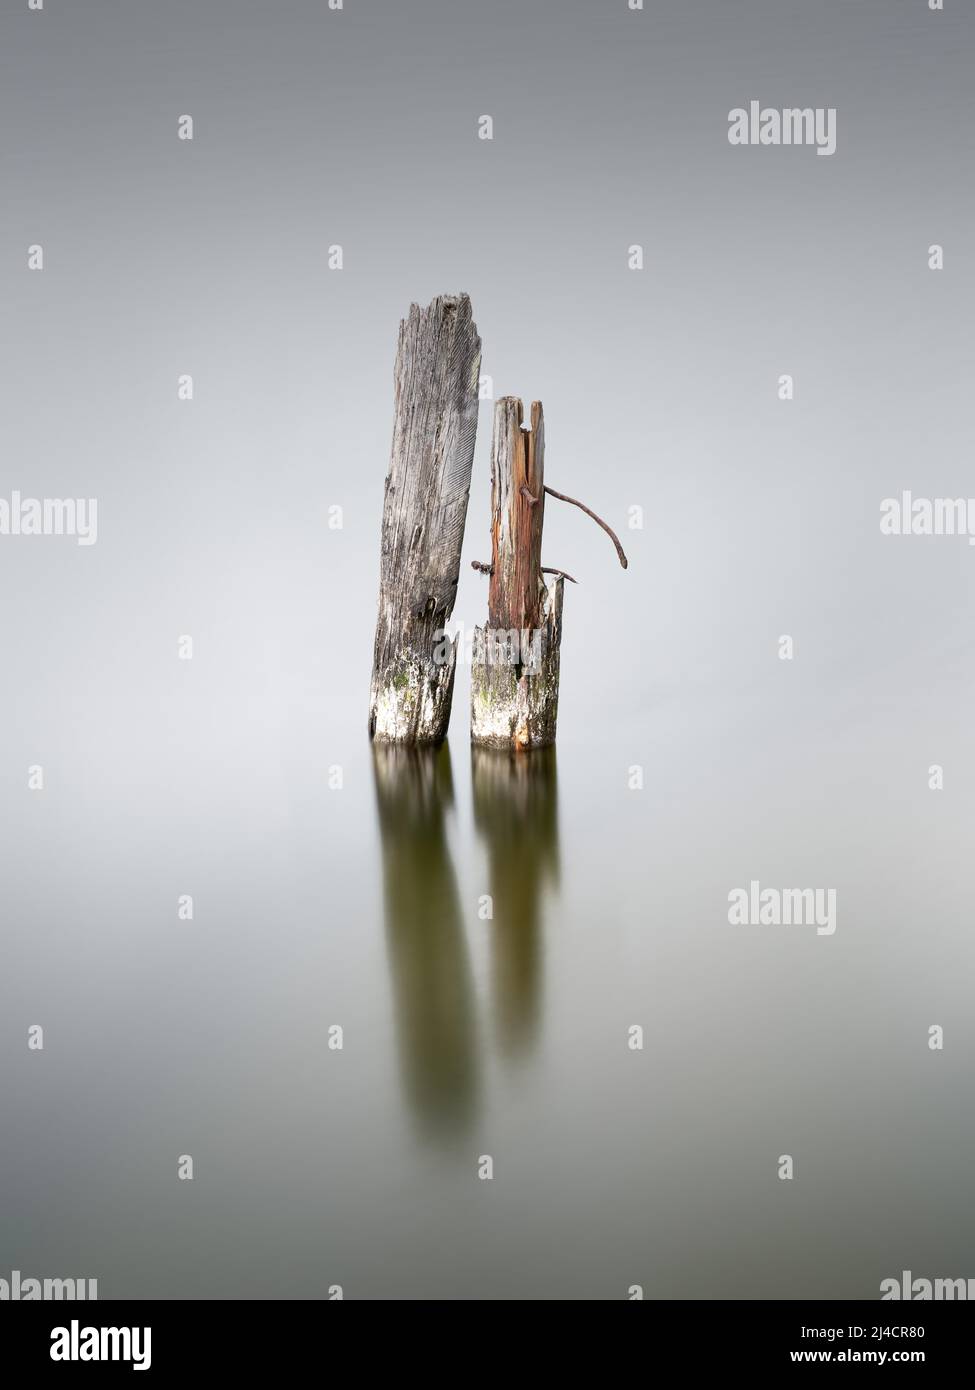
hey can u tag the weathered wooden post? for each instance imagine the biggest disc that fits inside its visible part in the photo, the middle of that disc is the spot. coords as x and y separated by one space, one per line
436 393
515 670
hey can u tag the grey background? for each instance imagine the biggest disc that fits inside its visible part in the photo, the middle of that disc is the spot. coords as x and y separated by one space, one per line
163 777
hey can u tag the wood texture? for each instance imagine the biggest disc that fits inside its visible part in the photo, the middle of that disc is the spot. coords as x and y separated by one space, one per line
427 487
517 513
515 692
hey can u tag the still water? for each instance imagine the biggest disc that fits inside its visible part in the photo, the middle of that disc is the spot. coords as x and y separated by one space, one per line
487 932
440 1033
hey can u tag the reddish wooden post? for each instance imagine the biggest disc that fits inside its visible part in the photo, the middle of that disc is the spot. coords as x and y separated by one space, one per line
515 673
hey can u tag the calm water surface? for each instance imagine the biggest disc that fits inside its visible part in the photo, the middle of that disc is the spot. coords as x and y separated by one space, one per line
507 1036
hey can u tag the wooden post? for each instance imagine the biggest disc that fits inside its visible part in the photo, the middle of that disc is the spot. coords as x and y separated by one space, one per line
515 671
436 393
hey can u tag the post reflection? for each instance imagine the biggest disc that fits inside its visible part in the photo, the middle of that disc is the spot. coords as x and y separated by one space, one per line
428 958
516 814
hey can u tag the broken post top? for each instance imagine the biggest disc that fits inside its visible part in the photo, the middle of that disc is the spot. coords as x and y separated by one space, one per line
517 512
435 382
